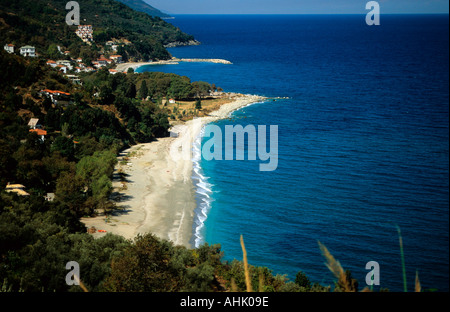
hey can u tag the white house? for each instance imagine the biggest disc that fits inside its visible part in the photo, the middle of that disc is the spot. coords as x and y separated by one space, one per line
113 45
65 63
51 63
116 58
85 32
34 123
62 68
41 133
9 48
74 78
28 51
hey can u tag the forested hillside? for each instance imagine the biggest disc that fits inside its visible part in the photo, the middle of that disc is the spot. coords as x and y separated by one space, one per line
75 161
59 141
42 23
142 6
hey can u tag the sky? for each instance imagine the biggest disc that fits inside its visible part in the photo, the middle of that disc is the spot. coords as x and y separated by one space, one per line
296 6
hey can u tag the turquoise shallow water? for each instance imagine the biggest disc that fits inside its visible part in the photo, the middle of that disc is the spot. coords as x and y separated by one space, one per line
363 143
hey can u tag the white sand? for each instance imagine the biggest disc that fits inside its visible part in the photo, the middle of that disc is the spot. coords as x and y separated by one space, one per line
159 197
123 67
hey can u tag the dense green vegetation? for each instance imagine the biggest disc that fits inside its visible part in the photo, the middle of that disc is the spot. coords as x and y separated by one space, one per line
142 6
76 162
42 24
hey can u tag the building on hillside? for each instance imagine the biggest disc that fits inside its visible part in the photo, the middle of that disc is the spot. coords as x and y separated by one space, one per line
57 97
85 32
116 58
9 48
65 63
41 133
19 189
74 78
50 197
103 61
62 68
28 51
34 123
51 63
113 71
114 46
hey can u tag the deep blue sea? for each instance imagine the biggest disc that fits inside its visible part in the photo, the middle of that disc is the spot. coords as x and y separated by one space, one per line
363 143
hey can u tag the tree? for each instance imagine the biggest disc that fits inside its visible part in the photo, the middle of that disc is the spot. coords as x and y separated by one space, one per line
198 104
302 280
143 90
201 89
144 266
7 163
53 52
30 168
106 95
131 90
101 189
69 190
63 145
180 87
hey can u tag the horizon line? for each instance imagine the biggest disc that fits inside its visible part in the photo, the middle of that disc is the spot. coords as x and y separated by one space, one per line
402 13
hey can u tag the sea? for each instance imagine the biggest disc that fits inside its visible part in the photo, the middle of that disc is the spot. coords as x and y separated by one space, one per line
363 144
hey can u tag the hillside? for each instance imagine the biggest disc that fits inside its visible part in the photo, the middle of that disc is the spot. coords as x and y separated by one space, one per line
41 23
142 6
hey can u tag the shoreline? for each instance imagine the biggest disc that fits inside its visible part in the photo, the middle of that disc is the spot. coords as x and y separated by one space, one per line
123 67
154 192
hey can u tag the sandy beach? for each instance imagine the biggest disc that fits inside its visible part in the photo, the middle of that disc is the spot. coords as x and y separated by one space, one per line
153 189
123 67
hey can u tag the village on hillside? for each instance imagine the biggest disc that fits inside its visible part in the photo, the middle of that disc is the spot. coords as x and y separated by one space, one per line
72 66
69 67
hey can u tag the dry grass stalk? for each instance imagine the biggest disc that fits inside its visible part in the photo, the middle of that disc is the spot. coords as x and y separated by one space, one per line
80 283
261 283
335 267
234 287
405 288
246 269
417 287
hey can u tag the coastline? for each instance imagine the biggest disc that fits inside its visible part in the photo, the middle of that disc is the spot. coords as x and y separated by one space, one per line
123 67
156 193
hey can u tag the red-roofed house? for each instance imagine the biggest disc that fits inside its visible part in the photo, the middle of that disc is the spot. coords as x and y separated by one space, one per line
103 61
62 68
116 58
9 48
56 96
51 63
40 132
